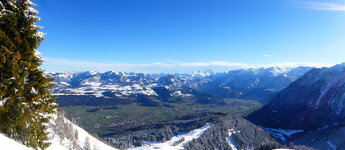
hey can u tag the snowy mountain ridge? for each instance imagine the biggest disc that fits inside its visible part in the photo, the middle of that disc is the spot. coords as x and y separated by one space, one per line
314 103
236 83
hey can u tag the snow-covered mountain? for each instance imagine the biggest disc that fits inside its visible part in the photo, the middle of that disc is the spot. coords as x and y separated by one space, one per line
314 103
258 84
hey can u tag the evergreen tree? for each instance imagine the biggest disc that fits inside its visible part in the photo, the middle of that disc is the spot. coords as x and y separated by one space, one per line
25 100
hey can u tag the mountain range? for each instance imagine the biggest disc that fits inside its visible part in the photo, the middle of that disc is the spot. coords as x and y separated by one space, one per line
256 84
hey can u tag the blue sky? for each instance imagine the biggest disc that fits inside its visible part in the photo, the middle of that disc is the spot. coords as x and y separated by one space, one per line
188 35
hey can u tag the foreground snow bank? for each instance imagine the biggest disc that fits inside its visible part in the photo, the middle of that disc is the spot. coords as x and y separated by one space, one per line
175 143
6 142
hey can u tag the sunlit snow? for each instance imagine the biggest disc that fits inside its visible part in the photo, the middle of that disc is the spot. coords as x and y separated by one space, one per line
6 142
230 140
331 145
82 136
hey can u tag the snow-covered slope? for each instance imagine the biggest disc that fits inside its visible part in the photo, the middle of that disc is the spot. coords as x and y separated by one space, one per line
9 144
96 144
83 140
73 137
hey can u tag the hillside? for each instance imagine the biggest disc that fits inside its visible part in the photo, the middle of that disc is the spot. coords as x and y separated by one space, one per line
197 131
314 104
313 101
80 139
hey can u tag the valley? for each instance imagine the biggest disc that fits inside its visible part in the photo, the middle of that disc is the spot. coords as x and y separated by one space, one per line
106 119
130 109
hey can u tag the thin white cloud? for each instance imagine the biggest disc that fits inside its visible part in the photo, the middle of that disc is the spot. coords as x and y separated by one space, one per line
267 55
56 64
230 64
193 64
296 64
66 62
322 6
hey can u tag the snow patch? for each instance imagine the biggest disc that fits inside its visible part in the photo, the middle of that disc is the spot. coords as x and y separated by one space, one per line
39 34
282 134
229 139
33 91
2 103
179 93
331 145
323 128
